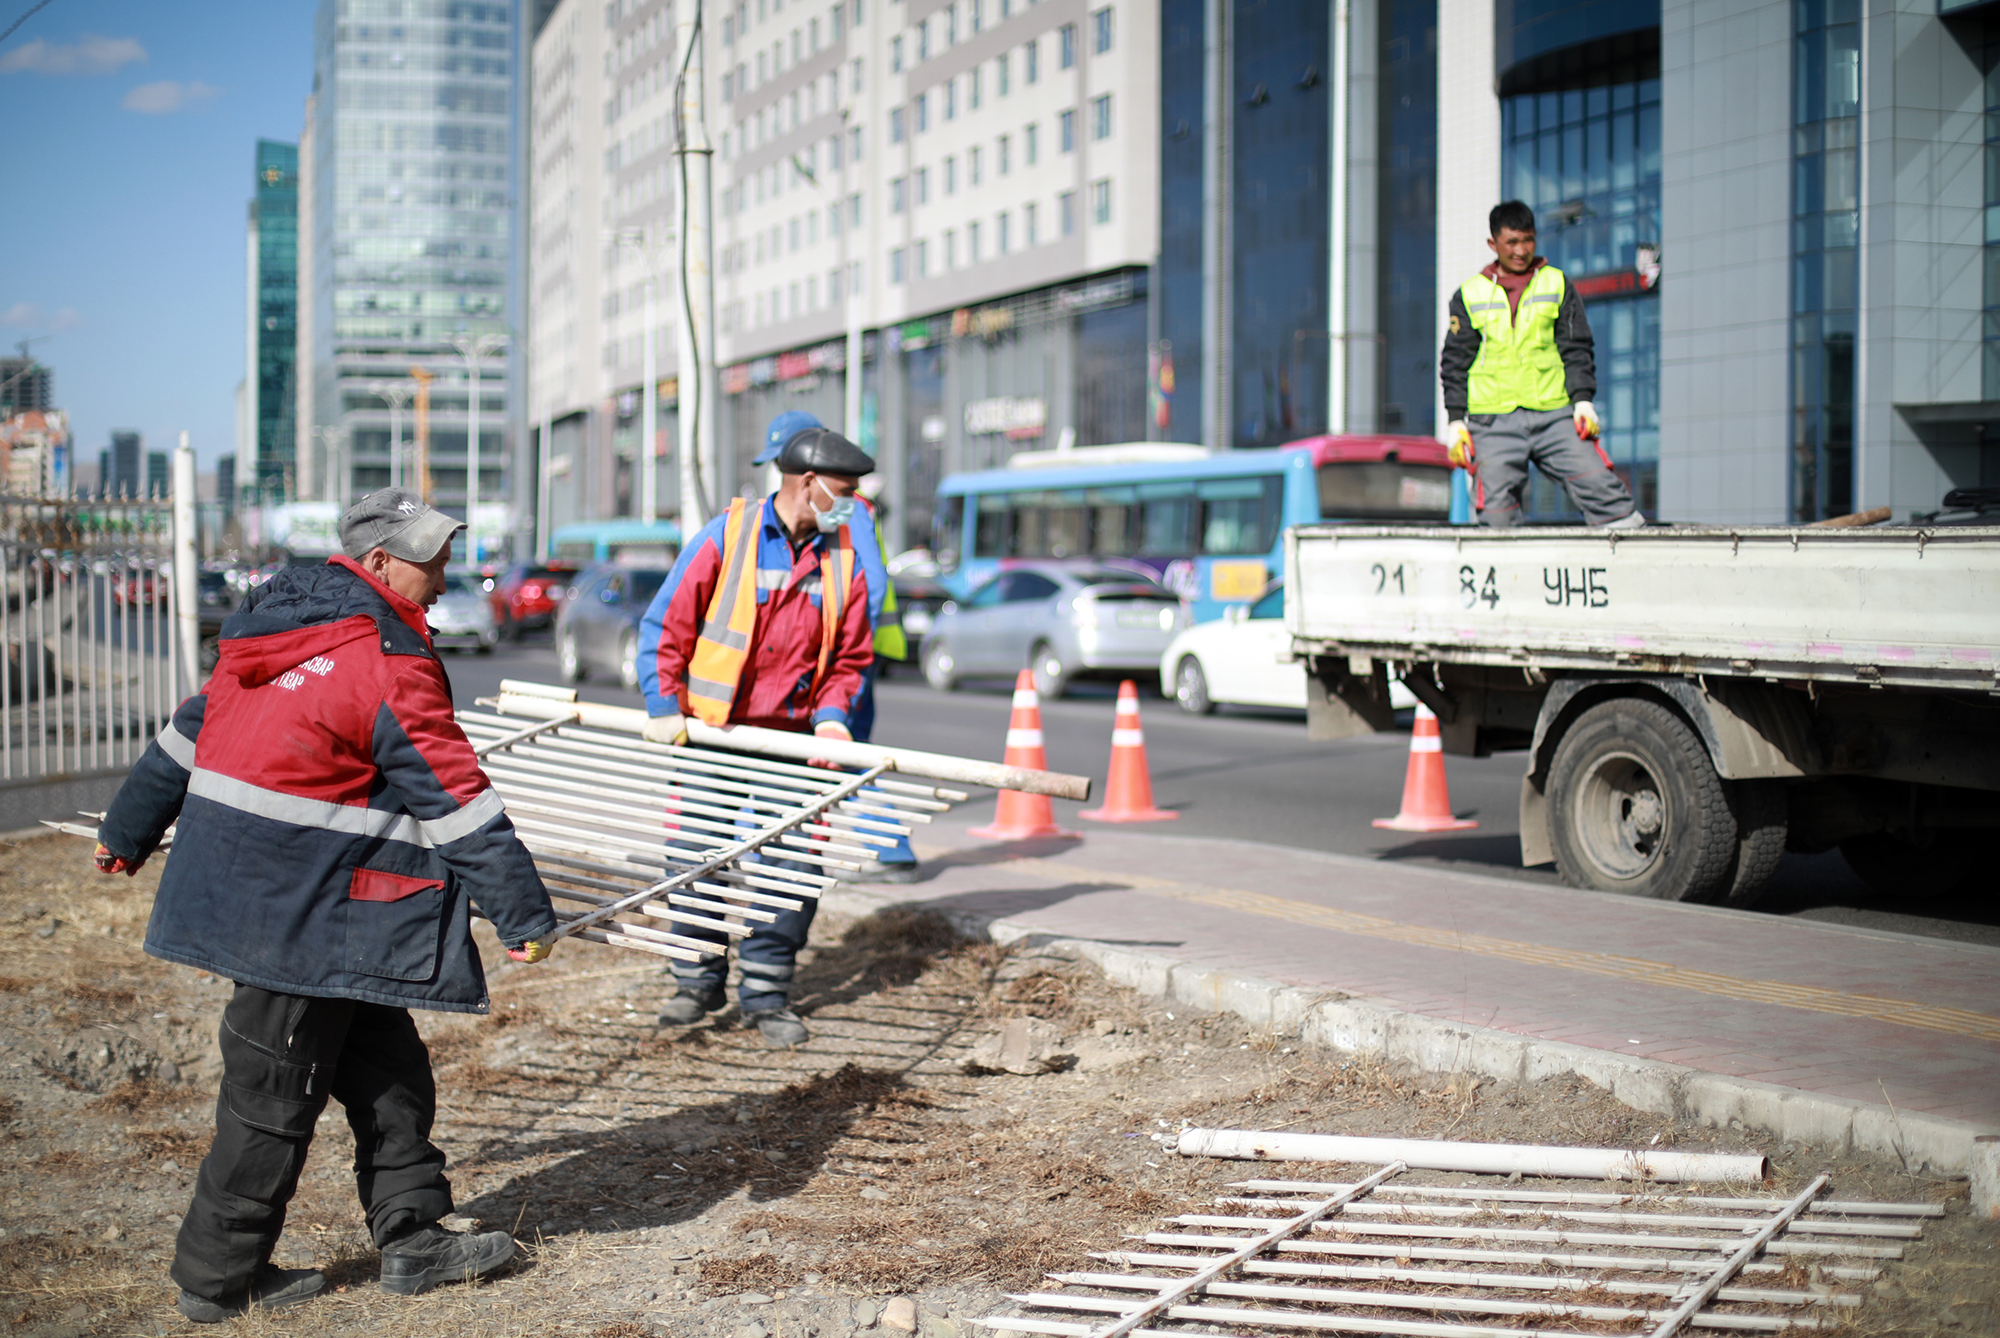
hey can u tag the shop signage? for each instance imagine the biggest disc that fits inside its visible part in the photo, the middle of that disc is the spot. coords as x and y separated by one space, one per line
1018 417
986 322
1104 293
1643 277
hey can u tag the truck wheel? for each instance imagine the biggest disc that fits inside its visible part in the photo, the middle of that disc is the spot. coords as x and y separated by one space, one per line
1905 871
1762 818
1635 806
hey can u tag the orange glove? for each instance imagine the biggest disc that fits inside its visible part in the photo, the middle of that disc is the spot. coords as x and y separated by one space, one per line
1459 444
109 862
1584 414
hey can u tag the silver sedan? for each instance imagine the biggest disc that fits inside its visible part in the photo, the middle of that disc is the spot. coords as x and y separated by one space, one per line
1056 620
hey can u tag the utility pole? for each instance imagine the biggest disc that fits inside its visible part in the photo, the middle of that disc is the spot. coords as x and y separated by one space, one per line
1217 256
474 348
397 393
696 236
327 436
423 377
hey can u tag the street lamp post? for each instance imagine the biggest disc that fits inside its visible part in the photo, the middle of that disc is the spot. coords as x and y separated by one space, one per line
473 347
397 393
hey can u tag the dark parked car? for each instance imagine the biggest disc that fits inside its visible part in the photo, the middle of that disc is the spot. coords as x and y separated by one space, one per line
597 631
918 599
529 594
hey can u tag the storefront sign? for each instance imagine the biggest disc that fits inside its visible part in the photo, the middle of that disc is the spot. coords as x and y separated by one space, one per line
1643 277
1017 417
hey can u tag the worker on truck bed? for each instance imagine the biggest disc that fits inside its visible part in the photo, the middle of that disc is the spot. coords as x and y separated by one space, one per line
763 621
1519 375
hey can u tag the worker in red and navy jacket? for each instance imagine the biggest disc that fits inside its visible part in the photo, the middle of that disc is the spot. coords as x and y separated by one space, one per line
334 828
763 621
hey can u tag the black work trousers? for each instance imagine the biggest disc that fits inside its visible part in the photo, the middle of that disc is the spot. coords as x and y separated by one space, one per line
282 1056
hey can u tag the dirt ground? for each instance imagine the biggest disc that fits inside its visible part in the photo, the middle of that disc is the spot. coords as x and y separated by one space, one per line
696 1183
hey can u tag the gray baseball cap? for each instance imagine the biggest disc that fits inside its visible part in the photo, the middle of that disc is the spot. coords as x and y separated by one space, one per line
397 521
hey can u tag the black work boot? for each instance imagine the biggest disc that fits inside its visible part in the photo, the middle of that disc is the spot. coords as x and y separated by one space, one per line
424 1256
691 1004
780 1027
274 1289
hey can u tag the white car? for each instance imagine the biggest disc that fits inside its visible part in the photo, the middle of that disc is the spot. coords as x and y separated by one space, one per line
1235 660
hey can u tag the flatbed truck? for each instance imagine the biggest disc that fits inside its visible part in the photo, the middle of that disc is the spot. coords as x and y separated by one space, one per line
1693 701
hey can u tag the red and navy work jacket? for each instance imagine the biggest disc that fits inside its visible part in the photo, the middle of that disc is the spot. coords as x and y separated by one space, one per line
776 686
333 821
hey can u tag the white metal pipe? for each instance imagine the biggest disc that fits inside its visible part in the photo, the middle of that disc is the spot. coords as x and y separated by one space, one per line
1690 1221
1486 1158
1844 1207
652 812
1452 1277
1689 1310
1613 1239
1513 1258
1460 1305
779 743
1336 270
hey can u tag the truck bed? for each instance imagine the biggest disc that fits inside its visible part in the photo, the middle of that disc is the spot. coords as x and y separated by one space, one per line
1889 605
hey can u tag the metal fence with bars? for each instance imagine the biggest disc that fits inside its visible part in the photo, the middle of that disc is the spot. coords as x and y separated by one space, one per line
93 667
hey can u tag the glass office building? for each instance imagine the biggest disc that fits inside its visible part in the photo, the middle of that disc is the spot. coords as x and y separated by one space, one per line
273 318
412 228
1826 86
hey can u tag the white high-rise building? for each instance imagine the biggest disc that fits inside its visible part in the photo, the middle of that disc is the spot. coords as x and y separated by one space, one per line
982 174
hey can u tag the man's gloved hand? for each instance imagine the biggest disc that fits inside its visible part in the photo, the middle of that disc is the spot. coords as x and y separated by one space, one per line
109 862
830 729
1584 414
534 950
669 729
1458 439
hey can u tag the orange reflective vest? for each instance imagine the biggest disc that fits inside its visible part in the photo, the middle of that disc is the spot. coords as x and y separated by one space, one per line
723 646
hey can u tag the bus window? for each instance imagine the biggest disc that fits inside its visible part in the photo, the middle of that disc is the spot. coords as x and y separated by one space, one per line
1051 524
1166 525
1113 532
1384 490
993 531
1240 515
947 528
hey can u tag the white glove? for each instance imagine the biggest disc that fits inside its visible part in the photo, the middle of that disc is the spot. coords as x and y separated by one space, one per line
1584 414
668 729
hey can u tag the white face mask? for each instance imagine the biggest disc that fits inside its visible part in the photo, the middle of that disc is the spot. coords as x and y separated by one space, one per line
835 516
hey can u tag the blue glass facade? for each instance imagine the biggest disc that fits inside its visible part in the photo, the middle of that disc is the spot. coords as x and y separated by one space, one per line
1990 62
1407 298
274 214
1587 161
1178 295
1826 87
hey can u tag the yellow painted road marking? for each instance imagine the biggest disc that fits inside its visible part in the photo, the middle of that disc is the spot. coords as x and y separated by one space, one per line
1903 1012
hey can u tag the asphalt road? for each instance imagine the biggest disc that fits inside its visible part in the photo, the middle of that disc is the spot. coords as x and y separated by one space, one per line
1252 776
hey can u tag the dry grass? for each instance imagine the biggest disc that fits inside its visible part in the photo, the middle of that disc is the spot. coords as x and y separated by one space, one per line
141 1095
185 1146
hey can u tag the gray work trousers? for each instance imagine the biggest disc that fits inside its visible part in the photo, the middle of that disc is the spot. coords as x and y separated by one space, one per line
1503 446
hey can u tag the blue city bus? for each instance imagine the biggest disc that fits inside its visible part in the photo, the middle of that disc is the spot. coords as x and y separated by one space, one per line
1208 525
589 542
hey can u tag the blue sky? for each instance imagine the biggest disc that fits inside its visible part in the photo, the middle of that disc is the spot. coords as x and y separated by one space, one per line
131 130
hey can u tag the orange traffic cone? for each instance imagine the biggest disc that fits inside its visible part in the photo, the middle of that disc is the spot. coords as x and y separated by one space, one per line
1128 795
1426 800
1021 816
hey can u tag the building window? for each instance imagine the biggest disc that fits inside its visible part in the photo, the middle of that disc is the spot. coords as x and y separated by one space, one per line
951 99
1003 221
854 144
1100 117
923 185
1066 45
1000 70
972 165
895 125
1032 54
1006 165
1826 88
1066 128
1100 201
839 22
896 265
972 242
923 41
951 176
896 195
972 82
1028 224
833 287
923 259
1031 146
896 54
854 210
833 220
978 15
854 75
1066 212
923 112
950 249
951 25
1100 31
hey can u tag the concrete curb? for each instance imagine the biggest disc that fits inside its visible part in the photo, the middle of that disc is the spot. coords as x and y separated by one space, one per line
1354 1024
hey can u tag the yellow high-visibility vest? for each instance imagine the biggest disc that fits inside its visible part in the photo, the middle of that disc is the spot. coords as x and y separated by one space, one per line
723 646
890 643
1518 366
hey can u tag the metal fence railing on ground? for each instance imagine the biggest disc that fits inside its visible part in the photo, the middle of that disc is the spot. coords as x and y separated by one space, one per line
93 669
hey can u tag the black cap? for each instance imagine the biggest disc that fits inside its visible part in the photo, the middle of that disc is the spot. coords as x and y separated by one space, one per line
821 450
398 521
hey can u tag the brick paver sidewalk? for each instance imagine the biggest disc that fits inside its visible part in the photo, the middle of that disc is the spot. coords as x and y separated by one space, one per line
1886 1019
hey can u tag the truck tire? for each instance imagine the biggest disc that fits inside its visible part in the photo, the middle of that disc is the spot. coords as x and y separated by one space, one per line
1635 806
1762 820
1905 871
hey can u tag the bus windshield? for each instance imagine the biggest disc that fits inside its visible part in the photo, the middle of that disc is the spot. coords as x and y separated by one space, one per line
1384 490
